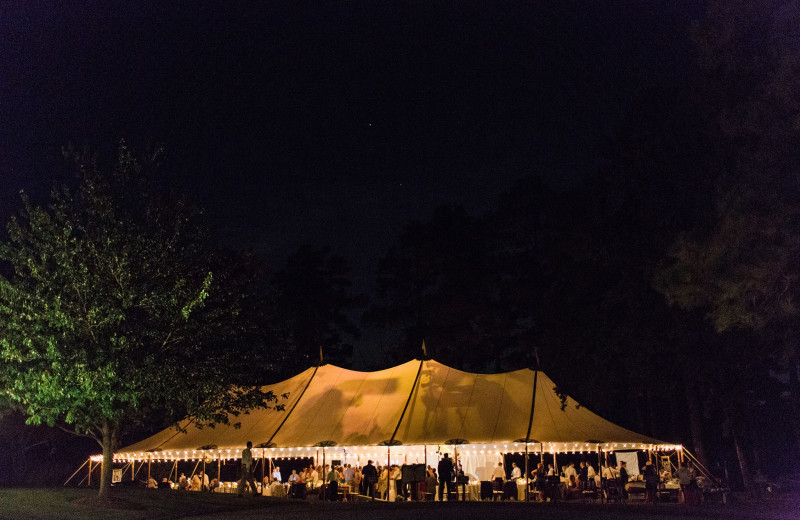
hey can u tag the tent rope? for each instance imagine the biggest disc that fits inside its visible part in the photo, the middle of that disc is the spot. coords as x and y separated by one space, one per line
293 407
408 401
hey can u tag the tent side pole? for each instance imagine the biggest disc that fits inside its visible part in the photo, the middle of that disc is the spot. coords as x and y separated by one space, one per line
194 470
149 461
263 463
600 471
89 483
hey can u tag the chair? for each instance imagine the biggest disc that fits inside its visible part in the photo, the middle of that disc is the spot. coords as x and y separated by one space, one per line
510 490
588 490
553 487
487 490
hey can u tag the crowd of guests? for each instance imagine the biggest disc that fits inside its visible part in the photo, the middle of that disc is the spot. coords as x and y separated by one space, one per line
387 482
375 481
614 480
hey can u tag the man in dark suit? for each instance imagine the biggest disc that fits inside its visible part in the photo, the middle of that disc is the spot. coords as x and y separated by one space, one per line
370 479
445 475
622 481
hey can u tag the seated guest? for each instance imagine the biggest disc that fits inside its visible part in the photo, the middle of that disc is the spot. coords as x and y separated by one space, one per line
164 484
430 484
151 483
276 489
214 485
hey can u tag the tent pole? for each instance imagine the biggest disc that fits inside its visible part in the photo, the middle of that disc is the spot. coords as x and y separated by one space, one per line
149 461
219 467
530 427
555 463
527 473
263 463
600 471
89 483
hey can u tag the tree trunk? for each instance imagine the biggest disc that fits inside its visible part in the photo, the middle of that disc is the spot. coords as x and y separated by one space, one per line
794 396
109 445
744 466
695 422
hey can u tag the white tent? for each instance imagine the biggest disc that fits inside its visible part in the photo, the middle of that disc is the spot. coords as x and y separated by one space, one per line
408 413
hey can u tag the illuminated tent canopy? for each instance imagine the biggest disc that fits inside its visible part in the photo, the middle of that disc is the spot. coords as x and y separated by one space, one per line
421 403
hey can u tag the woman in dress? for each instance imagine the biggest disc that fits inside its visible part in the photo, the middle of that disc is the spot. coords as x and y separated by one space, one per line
394 476
383 482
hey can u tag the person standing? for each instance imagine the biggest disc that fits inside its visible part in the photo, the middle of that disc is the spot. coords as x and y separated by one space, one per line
370 479
445 475
333 484
350 477
247 471
383 482
394 476
540 481
623 480
583 476
276 474
651 482
498 477
516 473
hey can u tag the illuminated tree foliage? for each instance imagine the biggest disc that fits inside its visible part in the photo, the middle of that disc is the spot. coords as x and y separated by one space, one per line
113 313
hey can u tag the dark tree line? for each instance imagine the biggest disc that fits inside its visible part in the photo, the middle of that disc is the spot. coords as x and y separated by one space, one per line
661 291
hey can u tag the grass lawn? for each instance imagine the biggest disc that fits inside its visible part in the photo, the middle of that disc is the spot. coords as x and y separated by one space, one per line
127 504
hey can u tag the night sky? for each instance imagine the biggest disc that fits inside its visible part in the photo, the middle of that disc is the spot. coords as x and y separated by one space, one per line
330 122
